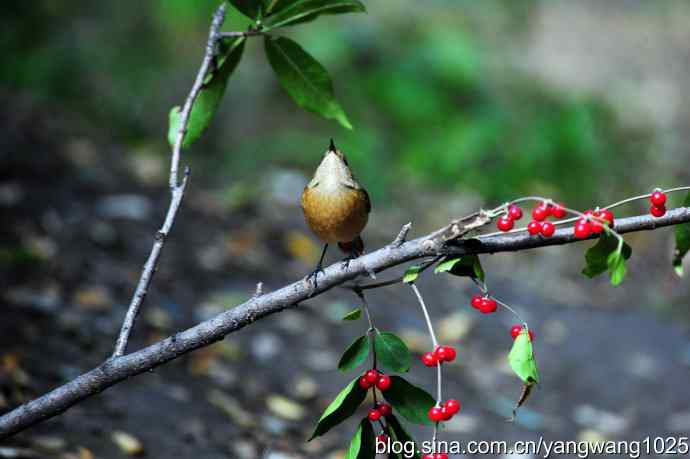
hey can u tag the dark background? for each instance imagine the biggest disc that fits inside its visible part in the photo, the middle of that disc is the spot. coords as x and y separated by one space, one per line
455 105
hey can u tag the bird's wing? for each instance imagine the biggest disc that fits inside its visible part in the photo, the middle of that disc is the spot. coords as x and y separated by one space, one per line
366 197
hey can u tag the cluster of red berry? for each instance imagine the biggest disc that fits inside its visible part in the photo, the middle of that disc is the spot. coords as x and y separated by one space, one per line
372 378
658 207
507 221
381 409
445 412
539 224
485 304
441 354
592 222
516 329
435 456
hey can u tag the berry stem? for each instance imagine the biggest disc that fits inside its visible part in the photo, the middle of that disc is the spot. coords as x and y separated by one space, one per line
439 383
645 196
371 333
433 340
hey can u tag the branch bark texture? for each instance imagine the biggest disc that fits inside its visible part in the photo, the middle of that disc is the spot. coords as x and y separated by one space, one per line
205 333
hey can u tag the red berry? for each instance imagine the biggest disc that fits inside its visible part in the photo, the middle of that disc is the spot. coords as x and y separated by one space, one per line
374 415
436 414
488 306
440 456
514 212
382 438
446 414
608 216
658 198
476 301
515 330
385 409
372 376
534 227
383 383
547 229
541 212
429 359
363 383
505 223
583 230
445 354
596 225
452 406
558 210
428 456
657 211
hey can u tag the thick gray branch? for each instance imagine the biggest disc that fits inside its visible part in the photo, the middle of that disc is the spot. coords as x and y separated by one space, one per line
115 370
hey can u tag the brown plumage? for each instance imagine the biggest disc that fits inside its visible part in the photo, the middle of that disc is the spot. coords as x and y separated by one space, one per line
335 205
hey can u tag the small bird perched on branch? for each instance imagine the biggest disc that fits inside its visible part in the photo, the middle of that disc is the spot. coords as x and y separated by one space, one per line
336 206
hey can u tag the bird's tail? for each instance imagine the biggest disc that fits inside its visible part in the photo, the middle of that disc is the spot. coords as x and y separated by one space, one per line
354 247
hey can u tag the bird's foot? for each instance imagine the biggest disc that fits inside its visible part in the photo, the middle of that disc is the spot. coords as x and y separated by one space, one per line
347 260
313 277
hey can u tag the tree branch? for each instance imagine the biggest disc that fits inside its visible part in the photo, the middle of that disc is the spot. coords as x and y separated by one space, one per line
115 370
176 189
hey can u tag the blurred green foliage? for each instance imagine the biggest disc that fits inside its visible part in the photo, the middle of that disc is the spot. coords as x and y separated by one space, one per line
437 98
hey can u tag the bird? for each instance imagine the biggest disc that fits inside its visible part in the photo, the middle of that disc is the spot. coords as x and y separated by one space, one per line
336 207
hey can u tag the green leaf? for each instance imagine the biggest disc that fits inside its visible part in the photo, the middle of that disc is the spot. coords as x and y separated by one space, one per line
682 242
250 8
304 78
446 265
353 315
521 359
597 256
362 445
392 352
616 265
341 408
355 354
411 274
307 10
399 434
412 402
465 266
208 100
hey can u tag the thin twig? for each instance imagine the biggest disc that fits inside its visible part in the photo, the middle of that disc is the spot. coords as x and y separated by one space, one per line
248 33
402 235
259 290
423 267
176 189
149 270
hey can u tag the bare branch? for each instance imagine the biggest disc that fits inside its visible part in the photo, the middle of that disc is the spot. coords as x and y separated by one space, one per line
149 269
402 235
176 189
235 318
259 290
